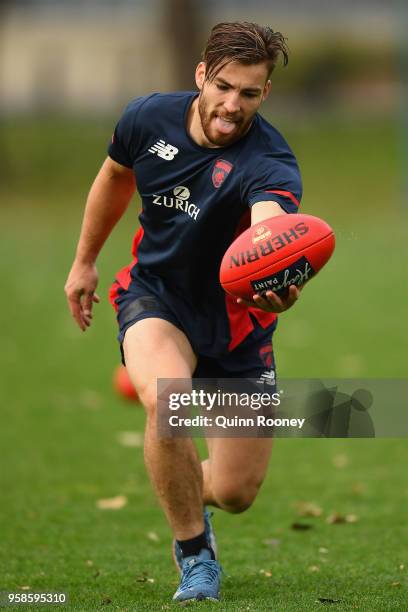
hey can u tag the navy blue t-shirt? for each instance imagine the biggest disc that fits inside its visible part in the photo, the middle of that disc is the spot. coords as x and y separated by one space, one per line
195 201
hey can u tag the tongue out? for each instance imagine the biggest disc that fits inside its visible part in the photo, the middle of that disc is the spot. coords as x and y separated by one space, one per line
225 127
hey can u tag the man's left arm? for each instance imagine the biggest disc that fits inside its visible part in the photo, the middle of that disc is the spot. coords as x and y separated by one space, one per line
270 301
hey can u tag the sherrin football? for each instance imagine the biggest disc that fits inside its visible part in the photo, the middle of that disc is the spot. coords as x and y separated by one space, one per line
276 253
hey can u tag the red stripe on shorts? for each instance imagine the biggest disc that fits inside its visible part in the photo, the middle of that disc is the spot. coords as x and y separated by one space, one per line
123 277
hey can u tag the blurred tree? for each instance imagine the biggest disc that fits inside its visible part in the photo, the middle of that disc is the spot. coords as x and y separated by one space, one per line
182 29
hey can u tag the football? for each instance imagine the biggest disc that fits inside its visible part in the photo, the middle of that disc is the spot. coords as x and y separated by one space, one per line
276 253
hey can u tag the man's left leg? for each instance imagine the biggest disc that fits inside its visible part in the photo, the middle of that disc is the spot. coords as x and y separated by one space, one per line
236 467
234 471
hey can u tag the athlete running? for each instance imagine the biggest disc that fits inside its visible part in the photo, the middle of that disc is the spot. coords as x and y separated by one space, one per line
206 166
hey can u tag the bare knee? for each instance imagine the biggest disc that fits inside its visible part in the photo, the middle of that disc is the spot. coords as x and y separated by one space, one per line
156 405
152 400
156 397
236 497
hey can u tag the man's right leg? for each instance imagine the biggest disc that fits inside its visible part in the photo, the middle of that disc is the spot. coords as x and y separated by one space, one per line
155 348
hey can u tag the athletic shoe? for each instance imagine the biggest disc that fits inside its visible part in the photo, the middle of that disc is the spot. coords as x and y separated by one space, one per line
210 535
200 578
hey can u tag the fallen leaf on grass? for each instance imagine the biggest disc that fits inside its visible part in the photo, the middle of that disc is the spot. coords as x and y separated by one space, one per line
112 503
308 509
351 518
327 600
152 535
301 526
144 579
395 584
141 578
131 439
337 518
265 573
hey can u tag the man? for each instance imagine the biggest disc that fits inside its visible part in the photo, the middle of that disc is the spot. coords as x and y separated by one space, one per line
206 165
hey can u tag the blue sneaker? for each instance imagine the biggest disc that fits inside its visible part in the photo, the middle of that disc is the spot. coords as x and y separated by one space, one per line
200 578
209 534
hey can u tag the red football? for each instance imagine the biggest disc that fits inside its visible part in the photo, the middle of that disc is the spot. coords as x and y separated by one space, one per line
278 252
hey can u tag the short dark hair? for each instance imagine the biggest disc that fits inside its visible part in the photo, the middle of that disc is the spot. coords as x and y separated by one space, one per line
243 42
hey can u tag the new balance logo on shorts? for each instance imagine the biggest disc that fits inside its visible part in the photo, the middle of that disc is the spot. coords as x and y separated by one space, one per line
163 150
267 377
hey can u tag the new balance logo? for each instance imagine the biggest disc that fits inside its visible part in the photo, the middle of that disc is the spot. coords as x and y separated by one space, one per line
267 377
163 150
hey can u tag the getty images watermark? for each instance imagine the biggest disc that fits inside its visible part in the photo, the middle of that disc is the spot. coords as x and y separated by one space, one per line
330 408
238 402
222 408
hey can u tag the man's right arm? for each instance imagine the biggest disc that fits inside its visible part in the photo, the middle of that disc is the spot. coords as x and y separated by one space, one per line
108 199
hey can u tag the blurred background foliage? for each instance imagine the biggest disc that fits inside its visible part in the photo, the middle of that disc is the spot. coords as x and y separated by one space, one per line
93 56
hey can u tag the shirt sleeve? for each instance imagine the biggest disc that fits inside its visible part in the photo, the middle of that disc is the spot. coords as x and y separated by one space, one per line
275 179
127 136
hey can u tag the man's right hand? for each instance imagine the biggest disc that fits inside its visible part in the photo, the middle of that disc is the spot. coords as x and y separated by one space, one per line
80 291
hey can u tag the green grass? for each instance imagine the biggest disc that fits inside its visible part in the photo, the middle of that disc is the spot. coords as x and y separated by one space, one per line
61 420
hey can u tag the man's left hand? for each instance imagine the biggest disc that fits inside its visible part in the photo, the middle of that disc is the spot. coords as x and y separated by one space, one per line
271 302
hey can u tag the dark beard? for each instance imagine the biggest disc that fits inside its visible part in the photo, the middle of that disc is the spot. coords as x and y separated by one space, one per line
205 118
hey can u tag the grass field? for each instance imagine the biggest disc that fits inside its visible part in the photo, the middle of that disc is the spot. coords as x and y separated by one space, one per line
61 426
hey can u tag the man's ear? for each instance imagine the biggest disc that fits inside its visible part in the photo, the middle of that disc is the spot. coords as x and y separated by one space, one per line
266 90
200 75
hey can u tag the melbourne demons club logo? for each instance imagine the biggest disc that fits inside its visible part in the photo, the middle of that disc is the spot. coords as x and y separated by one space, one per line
266 355
220 172
261 233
